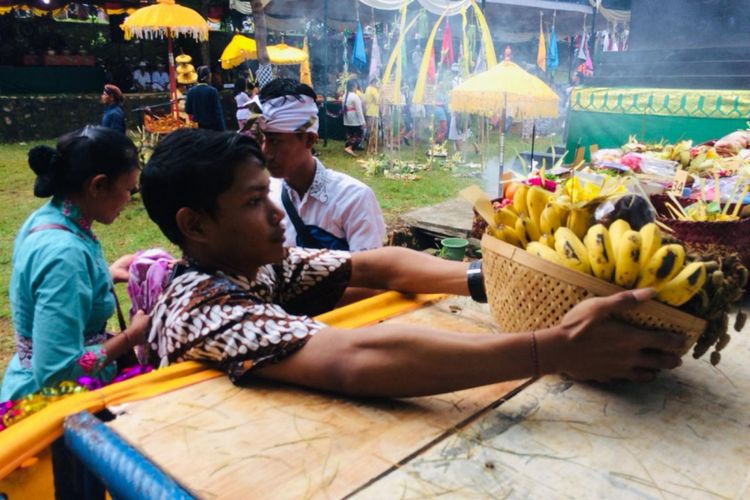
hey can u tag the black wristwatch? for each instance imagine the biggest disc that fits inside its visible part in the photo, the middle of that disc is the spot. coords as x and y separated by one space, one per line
475 280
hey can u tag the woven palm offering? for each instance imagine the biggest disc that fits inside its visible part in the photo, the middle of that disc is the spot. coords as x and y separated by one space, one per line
546 252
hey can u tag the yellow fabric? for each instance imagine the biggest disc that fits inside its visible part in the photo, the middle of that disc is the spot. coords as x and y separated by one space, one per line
305 76
371 101
241 48
419 89
284 54
541 51
165 19
465 44
34 434
391 90
487 44
505 86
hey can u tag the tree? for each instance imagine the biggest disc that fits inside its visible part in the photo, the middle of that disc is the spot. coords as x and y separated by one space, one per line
261 34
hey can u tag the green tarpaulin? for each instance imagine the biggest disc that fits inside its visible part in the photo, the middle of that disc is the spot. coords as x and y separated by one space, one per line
607 117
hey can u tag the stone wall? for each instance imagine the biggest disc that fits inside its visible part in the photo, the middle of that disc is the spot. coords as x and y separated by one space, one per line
34 117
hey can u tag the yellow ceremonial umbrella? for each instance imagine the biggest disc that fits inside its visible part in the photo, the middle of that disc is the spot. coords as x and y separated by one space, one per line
166 19
242 48
239 50
502 89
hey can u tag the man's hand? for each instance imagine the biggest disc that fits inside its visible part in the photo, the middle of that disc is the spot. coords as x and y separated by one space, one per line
119 268
596 347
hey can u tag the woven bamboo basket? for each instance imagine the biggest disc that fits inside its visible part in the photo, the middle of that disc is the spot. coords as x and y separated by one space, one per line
526 293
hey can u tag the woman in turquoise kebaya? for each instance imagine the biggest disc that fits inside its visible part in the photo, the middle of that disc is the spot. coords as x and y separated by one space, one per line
61 287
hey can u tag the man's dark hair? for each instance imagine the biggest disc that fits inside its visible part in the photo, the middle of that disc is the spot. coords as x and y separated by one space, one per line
285 87
191 168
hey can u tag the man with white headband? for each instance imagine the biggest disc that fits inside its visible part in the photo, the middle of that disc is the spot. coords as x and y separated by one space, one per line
324 208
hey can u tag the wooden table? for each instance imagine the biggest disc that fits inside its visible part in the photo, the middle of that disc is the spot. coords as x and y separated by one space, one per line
685 436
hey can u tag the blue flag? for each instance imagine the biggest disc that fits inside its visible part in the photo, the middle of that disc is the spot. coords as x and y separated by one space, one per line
552 60
359 57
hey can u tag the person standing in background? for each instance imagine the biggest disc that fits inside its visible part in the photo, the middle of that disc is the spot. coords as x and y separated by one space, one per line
203 103
114 116
354 118
372 112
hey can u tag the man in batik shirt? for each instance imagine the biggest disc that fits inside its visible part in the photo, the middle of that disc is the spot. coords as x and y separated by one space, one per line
244 303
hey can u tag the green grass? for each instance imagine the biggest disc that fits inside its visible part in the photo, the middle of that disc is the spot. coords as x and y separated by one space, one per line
133 230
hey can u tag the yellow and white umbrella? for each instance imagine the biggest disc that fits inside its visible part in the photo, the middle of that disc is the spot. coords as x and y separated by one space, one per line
506 87
502 89
242 48
166 19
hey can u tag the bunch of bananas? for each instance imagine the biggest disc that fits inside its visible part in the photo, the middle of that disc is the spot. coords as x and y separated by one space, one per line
540 223
553 228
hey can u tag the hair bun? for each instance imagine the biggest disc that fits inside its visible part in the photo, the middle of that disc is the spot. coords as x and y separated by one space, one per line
42 161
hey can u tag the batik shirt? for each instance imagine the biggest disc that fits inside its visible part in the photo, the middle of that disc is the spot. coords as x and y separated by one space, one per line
236 323
60 298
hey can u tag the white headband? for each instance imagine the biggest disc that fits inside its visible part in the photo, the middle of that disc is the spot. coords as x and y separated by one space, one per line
288 115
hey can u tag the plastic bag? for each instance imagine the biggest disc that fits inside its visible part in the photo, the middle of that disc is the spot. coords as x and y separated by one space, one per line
636 210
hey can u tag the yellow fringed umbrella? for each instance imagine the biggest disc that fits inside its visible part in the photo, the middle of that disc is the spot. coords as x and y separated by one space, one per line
502 89
242 48
166 19
506 87
239 50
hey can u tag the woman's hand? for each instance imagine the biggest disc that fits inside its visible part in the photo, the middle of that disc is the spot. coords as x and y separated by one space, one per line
119 268
136 332
591 345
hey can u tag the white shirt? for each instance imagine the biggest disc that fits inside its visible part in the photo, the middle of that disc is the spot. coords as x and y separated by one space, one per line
353 115
159 80
242 99
143 78
337 203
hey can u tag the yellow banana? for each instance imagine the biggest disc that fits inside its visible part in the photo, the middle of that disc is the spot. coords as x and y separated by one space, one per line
520 231
578 221
650 242
505 217
548 239
628 256
506 234
536 201
683 286
547 253
519 199
662 266
549 220
570 246
616 230
562 202
530 227
601 256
